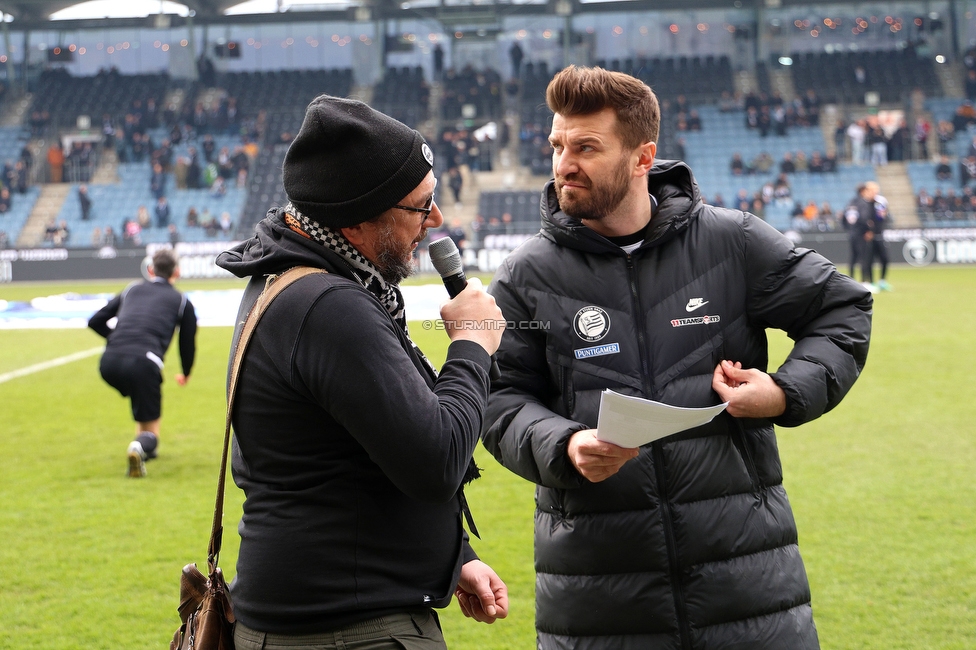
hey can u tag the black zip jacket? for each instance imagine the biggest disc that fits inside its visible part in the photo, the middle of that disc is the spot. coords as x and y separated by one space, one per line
692 545
349 451
148 313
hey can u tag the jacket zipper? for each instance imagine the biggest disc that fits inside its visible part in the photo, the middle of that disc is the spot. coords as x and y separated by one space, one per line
657 457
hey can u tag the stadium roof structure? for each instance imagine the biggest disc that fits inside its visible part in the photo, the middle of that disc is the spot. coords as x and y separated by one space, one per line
35 14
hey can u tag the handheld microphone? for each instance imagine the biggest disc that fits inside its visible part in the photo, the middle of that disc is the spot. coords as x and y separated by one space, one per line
446 258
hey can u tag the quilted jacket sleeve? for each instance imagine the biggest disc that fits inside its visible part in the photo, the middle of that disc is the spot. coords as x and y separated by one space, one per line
521 432
827 314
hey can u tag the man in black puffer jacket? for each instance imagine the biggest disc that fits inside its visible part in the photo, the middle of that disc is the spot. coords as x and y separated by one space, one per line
687 542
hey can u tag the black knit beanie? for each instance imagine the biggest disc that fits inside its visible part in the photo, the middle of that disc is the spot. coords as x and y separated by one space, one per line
350 163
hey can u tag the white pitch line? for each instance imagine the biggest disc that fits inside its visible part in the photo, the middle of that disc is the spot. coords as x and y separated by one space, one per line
53 363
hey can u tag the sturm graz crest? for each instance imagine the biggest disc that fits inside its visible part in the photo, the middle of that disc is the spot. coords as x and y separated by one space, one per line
591 323
918 252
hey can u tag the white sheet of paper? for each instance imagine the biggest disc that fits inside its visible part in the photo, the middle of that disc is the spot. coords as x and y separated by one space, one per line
634 421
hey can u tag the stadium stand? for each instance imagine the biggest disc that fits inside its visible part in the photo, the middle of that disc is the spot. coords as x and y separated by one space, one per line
846 76
723 134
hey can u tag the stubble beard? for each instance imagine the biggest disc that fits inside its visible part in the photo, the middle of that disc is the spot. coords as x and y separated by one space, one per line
602 200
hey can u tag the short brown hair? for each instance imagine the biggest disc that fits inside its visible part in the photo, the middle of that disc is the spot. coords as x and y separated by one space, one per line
164 262
583 91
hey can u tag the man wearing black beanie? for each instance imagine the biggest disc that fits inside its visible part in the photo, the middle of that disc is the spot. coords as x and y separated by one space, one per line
350 448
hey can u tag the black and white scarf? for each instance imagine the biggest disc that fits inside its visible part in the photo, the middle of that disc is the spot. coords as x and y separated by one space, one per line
388 294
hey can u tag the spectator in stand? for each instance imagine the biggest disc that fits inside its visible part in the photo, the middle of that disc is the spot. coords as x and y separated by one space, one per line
108 237
782 193
50 231
816 165
765 121
515 54
925 204
679 149
157 182
737 167
752 117
786 166
826 220
143 218
779 120
800 162
55 162
455 181
758 208
457 234
971 84
174 234
694 121
193 170
209 148
219 187
943 172
96 237
945 134
742 201
5 200
810 214
4 240
63 234
225 223
900 143
162 213
84 202
192 219
180 171
830 163
20 170
132 233
921 137
967 170
940 205
840 139
762 163
878 144
811 104
964 116
857 132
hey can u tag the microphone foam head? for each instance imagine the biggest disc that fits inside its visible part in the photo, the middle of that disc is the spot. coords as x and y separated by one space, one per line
445 257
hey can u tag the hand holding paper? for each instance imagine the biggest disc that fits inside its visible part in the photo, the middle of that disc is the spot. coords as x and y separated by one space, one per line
632 421
594 459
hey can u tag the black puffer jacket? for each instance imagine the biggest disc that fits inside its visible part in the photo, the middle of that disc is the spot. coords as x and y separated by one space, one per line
692 544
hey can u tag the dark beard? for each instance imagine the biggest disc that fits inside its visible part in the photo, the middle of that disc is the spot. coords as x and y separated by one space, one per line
603 199
394 260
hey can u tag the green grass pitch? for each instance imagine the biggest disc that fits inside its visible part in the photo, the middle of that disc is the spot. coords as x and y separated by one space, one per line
883 489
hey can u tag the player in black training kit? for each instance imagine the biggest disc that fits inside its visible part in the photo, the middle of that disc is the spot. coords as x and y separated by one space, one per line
148 313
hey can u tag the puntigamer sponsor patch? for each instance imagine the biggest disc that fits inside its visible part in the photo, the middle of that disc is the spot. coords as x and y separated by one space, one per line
597 351
698 320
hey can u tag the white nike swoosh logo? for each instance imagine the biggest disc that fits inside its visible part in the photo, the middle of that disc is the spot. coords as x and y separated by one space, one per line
692 305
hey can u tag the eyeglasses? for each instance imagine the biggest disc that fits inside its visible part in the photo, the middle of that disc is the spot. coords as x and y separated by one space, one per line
426 210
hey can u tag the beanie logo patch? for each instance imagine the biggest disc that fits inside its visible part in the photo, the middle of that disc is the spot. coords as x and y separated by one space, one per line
428 154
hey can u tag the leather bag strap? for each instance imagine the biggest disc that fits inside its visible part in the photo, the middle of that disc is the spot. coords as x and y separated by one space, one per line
274 286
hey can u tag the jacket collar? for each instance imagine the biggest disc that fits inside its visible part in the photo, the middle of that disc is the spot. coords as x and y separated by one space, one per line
670 183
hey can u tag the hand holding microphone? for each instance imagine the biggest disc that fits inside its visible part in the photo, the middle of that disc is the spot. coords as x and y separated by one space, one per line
472 314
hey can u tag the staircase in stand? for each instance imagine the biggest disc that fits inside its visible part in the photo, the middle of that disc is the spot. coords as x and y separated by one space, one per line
47 208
